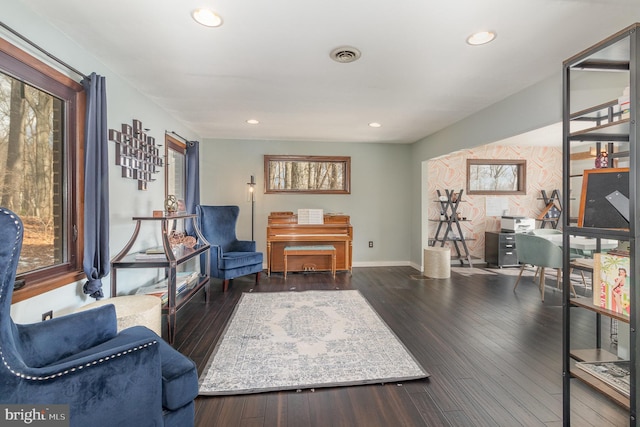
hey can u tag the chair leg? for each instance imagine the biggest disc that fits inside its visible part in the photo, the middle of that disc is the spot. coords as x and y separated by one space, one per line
225 285
258 278
575 295
519 276
542 283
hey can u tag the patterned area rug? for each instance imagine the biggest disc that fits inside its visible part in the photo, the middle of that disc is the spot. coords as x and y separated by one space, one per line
298 340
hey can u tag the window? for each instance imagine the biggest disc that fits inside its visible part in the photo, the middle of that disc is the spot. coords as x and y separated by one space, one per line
307 174
41 114
496 176
175 168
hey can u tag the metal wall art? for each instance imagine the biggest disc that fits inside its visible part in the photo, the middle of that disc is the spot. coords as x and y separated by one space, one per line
137 153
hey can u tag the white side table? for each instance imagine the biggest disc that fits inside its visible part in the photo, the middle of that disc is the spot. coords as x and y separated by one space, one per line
437 262
132 310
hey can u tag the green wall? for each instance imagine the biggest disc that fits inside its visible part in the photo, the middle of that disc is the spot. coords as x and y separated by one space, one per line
379 203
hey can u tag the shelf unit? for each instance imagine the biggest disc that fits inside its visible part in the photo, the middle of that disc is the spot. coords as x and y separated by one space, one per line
449 225
173 257
552 209
594 122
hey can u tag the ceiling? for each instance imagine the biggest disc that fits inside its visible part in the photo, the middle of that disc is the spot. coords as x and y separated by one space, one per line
270 59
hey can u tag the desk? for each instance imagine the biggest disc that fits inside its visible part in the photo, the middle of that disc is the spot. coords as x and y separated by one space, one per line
582 243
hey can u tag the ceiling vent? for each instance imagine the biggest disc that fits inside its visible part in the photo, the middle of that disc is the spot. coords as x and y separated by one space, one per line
345 54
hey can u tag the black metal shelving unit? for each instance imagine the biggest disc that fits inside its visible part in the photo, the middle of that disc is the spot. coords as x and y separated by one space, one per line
594 124
449 225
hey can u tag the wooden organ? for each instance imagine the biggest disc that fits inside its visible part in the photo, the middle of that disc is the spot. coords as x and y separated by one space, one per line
283 231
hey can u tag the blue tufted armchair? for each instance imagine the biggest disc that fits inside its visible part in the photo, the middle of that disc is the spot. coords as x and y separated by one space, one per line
230 257
131 378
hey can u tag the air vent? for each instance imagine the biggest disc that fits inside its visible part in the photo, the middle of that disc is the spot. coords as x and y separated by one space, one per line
345 54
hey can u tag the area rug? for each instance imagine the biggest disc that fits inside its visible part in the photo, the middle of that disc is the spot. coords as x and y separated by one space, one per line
303 340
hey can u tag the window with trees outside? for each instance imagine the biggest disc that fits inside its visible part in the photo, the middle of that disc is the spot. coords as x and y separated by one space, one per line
175 168
307 174
499 177
41 114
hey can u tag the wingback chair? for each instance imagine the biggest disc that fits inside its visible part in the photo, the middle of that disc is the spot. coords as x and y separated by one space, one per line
131 378
229 257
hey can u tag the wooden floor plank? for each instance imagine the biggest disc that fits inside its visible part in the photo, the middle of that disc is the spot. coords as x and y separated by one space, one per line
494 355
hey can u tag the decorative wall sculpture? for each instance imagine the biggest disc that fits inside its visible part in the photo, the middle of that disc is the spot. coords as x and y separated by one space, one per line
136 153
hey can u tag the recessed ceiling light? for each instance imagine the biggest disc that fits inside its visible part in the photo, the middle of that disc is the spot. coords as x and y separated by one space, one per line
207 17
481 37
253 121
375 125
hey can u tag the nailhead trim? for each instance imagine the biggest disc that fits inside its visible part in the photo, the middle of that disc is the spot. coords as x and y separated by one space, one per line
76 368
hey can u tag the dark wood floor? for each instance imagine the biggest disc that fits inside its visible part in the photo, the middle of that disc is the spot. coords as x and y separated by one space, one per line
494 356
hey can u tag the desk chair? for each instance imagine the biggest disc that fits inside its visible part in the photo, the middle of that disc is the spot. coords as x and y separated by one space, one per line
574 253
539 252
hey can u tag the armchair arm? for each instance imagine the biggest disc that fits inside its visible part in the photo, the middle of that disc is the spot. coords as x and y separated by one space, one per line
215 252
46 342
243 246
98 380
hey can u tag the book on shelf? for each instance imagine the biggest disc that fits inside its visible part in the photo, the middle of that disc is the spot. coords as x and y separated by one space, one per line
615 373
184 280
611 282
155 250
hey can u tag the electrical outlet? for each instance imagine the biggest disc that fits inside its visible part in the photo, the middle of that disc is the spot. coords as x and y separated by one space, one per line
47 316
370 243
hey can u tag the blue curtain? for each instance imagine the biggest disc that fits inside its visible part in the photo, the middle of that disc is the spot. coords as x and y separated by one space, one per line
96 187
192 198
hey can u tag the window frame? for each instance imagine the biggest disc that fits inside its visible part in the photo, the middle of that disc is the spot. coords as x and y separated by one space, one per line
345 187
27 68
521 165
174 144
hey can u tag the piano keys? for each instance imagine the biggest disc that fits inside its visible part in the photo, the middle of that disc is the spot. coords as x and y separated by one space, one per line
283 230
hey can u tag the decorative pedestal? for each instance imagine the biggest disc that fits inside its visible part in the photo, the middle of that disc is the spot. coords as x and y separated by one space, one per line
133 310
437 262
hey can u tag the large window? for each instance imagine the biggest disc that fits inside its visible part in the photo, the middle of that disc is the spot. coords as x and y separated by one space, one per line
40 153
307 174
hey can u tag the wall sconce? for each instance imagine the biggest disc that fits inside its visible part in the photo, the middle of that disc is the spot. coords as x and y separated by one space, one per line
251 197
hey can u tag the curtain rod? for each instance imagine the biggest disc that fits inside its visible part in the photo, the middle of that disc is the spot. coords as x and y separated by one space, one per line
56 59
179 136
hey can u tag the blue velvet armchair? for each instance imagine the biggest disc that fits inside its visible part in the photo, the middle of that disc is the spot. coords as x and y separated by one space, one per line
230 257
131 378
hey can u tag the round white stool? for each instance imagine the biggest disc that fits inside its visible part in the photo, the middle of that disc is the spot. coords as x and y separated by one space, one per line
437 262
132 310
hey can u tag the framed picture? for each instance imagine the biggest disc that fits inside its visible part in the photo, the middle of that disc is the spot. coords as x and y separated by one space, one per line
307 174
604 201
496 177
